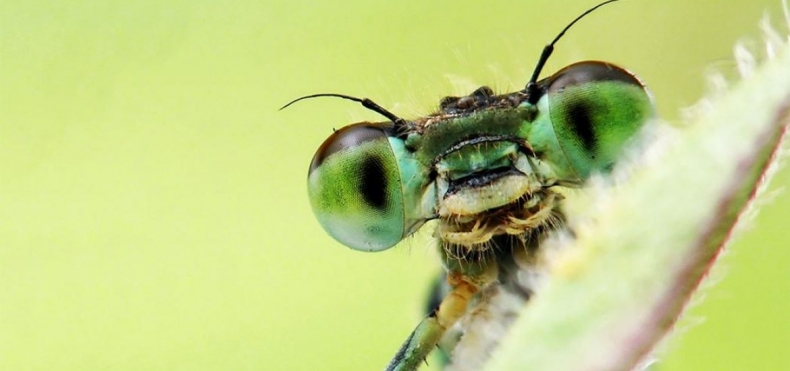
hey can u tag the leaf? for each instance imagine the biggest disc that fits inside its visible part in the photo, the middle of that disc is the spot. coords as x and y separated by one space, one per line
643 247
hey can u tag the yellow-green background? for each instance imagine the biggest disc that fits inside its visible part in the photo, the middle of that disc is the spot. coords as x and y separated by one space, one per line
153 211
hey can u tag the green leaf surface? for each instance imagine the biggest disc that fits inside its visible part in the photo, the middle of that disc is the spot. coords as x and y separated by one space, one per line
644 246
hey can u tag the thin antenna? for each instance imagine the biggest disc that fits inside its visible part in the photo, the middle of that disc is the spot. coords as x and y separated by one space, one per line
532 86
367 103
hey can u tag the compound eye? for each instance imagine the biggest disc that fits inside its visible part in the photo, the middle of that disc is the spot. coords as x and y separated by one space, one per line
595 108
590 72
354 185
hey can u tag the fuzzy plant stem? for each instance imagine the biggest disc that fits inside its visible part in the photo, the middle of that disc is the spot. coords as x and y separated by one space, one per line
643 247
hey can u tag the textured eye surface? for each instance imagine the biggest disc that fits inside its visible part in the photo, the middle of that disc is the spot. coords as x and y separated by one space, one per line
595 108
355 188
591 71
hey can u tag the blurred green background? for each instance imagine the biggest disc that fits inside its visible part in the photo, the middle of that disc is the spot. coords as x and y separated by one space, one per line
153 211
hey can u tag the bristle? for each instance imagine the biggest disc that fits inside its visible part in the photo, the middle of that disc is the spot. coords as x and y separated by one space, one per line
745 60
773 42
461 85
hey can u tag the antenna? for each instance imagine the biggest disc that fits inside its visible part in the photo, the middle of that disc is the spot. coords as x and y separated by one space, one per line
367 103
532 86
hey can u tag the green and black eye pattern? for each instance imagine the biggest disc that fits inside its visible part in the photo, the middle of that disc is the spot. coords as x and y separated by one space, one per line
355 188
594 109
369 192
485 165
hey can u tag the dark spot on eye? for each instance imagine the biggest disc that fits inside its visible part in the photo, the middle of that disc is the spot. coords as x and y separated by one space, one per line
580 119
373 183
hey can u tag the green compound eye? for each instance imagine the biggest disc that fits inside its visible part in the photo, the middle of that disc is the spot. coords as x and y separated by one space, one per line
595 108
355 188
